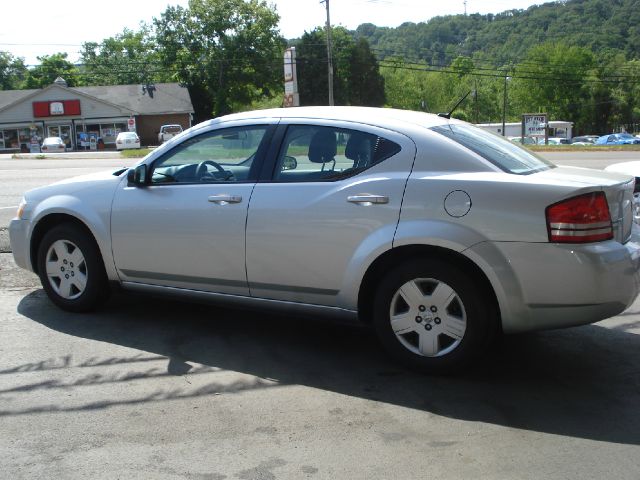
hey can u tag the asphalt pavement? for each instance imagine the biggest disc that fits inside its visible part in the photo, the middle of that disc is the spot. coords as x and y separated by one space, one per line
148 388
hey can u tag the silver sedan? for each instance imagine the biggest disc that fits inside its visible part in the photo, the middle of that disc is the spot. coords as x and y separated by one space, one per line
435 233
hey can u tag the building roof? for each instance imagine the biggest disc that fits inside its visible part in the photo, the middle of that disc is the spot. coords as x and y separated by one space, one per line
167 97
7 97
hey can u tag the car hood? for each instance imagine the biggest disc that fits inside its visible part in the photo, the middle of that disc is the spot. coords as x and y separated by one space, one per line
74 185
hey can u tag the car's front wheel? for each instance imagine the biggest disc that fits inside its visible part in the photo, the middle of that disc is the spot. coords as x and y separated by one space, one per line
432 315
71 269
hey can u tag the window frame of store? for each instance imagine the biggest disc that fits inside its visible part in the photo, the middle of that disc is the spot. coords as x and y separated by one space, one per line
59 127
98 126
21 134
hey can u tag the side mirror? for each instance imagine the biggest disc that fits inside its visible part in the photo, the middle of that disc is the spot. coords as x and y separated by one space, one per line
137 176
289 163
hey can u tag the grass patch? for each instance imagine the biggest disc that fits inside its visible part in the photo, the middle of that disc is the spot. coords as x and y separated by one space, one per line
137 153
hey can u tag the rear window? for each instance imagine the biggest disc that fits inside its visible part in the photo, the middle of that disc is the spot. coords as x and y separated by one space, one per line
504 154
172 129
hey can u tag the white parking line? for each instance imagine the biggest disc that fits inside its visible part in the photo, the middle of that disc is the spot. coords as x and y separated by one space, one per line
6 208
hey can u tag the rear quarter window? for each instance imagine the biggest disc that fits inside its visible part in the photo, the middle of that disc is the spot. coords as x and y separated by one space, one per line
506 155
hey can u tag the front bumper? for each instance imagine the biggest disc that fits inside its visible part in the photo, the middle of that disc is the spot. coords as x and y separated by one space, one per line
18 238
546 285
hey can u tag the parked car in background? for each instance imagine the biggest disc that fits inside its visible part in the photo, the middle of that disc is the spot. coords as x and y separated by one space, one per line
630 168
526 140
126 140
168 131
584 140
53 145
556 141
436 234
617 139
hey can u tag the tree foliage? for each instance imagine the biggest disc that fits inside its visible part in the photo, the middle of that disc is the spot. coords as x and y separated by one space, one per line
50 68
224 51
12 71
356 76
127 58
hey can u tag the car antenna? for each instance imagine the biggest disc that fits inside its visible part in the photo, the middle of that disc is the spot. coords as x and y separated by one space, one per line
448 115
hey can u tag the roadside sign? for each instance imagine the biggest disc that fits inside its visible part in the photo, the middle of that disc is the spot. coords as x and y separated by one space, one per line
534 124
131 124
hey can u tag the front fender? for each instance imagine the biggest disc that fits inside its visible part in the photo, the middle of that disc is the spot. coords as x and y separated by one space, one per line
95 215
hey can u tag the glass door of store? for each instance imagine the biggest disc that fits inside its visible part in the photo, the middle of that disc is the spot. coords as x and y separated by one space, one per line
62 131
1 139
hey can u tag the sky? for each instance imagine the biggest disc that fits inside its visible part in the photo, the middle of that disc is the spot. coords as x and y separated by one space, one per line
63 26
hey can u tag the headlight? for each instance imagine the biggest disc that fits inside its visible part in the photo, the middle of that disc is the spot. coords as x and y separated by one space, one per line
21 207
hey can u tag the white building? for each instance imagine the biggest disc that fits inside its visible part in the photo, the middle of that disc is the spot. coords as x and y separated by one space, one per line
557 128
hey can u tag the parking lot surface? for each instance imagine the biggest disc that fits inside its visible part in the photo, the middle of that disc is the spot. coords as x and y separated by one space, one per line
156 389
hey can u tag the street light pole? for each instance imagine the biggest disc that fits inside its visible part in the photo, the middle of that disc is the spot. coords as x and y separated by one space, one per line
329 56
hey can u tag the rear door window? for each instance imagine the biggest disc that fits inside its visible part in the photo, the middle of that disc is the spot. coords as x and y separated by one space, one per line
313 153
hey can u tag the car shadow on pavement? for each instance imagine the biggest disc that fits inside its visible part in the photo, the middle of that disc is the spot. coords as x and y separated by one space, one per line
582 382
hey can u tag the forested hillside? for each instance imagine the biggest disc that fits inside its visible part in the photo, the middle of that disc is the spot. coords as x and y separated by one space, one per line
577 60
603 26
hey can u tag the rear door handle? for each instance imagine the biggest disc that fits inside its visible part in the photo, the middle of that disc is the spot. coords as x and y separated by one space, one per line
224 198
367 199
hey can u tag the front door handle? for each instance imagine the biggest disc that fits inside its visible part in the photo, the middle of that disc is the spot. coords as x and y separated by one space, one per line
367 199
224 199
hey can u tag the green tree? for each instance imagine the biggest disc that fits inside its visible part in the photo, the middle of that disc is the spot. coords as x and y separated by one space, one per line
50 68
311 52
227 52
12 71
554 78
130 57
356 75
366 85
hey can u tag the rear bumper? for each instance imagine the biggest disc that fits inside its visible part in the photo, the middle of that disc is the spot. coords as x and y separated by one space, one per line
545 285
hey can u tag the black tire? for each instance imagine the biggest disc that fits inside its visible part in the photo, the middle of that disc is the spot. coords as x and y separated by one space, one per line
61 245
433 344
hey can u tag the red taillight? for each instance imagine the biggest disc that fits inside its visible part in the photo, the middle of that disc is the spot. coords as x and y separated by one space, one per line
580 219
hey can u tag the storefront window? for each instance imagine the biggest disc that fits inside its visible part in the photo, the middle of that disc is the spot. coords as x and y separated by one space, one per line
102 133
11 139
108 133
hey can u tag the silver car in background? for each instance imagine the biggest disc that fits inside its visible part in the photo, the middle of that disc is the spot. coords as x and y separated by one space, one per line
435 233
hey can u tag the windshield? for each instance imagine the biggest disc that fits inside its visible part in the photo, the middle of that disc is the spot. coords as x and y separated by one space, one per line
506 155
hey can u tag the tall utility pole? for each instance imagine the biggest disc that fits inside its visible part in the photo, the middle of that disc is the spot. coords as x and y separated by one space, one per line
504 104
329 55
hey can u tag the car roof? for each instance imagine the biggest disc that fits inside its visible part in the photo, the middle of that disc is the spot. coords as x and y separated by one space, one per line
383 117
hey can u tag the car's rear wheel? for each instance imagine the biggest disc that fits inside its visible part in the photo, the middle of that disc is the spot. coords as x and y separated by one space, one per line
432 316
71 269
